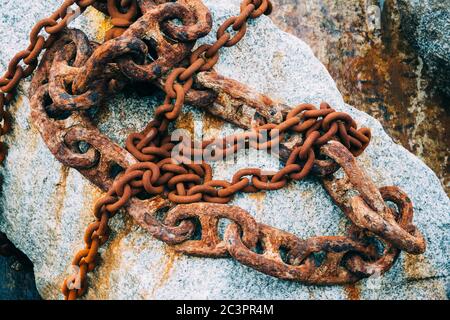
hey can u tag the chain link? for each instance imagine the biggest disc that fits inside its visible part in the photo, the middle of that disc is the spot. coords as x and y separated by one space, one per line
29 57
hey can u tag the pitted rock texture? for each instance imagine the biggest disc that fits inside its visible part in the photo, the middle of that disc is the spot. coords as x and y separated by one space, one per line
45 207
376 68
426 24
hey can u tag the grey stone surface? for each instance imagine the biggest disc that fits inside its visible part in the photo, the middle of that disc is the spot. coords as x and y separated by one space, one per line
427 25
45 207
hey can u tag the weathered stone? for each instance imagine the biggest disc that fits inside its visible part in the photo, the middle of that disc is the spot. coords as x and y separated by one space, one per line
45 207
427 26
376 69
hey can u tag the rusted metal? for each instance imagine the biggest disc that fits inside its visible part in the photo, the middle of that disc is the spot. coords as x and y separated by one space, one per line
301 265
145 45
239 104
208 215
168 53
367 209
52 25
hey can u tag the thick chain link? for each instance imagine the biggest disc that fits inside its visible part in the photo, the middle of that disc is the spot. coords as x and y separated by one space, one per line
29 58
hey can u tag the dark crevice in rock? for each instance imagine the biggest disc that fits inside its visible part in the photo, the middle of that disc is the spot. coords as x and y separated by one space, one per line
16 273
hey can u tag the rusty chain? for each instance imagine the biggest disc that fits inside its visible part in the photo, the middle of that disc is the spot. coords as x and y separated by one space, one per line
29 58
145 45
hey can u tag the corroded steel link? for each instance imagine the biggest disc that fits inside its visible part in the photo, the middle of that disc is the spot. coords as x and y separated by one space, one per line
70 136
123 14
68 287
144 212
78 144
144 146
143 52
333 123
303 267
148 28
96 67
244 106
206 57
299 163
52 25
190 31
96 234
404 218
208 215
62 75
28 57
368 209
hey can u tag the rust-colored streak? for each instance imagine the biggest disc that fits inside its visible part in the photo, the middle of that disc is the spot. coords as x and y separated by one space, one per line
101 22
211 125
76 75
258 196
61 191
259 200
112 260
186 122
171 256
353 291
416 267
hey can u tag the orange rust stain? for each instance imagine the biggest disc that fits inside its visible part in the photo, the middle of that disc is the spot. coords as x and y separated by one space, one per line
170 257
99 283
186 122
110 260
353 292
101 22
90 194
110 256
416 266
211 124
258 196
259 199
60 192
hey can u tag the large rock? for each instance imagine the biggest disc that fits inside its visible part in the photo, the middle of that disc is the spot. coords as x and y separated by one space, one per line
376 69
45 206
427 26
